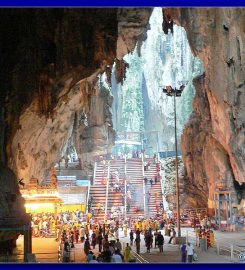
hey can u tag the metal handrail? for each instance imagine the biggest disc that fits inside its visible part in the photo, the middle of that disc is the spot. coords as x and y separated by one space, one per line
107 189
88 194
125 186
143 173
233 249
138 257
95 168
162 175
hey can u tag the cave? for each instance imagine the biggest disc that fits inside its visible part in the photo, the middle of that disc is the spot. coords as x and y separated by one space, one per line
54 66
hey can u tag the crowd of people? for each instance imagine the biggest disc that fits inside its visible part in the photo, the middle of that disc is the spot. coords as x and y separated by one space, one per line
106 237
142 233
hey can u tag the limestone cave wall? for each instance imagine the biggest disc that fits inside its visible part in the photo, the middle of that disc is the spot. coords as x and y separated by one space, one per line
213 140
51 60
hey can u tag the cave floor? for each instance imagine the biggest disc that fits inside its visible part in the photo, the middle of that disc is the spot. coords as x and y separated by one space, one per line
46 249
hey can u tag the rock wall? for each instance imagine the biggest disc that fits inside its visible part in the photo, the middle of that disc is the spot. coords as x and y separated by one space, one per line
213 141
51 60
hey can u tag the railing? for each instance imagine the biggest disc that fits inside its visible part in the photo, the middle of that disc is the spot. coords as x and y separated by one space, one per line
232 250
139 258
125 186
162 175
95 168
107 189
66 177
143 173
87 199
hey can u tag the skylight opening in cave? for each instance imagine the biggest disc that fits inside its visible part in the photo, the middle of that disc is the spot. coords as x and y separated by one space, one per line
139 103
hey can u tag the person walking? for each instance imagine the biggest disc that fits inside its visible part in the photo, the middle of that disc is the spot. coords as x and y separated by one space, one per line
66 256
125 229
99 240
173 236
151 181
148 242
93 240
137 243
127 253
155 178
160 242
118 245
183 253
105 243
190 252
131 235
86 247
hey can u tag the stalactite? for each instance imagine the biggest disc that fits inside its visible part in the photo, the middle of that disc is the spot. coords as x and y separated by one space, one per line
121 68
108 72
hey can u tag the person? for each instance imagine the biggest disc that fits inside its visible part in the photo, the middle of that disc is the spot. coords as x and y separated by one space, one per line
137 243
156 237
111 248
66 256
99 206
72 239
183 252
169 229
148 196
123 198
173 236
148 165
160 241
99 240
66 243
145 179
93 240
148 242
190 252
161 205
233 223
116 258
127 253
125 229
93 260
86 246
90 256
131 235
155 178
151 181
105 243
118 245
76 234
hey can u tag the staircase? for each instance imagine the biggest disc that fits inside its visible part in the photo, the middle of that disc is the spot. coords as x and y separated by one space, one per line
155 190
116 199
98 190
136 186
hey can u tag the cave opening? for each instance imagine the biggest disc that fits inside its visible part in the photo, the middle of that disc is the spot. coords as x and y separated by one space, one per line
137 115
139 104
